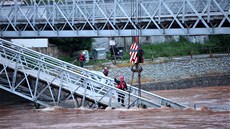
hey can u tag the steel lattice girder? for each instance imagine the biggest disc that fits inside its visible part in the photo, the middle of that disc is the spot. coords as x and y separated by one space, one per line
96 18
49 81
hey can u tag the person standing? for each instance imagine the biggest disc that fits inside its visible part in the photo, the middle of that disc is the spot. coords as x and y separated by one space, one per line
106 71
121 85
82 59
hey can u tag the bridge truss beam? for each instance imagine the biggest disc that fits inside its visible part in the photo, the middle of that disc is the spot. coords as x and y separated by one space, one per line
52 82
98 18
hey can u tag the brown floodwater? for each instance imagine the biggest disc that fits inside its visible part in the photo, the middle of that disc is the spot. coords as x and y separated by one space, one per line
212 112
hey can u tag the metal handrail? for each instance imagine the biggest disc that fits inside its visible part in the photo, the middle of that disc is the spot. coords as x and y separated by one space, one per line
12 50
110 81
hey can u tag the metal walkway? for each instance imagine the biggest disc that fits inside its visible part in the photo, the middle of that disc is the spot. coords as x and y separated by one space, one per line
103 18
51 82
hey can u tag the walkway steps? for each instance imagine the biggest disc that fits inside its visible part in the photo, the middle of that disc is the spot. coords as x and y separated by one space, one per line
51 82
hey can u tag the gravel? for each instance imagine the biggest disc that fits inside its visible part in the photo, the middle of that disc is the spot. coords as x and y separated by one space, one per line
174 70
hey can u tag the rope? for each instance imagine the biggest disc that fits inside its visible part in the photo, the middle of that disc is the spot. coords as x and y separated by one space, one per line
131 83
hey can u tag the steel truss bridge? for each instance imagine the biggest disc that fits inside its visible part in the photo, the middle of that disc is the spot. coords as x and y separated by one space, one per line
51 82
104 18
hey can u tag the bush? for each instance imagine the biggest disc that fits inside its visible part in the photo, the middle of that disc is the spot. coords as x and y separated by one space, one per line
70 45
169 49
218 41
216 44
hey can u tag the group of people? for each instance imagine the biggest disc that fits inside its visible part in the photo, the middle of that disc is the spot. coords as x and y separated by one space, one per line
121 84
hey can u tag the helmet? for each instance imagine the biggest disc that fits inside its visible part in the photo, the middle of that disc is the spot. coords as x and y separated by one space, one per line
122 78
105 68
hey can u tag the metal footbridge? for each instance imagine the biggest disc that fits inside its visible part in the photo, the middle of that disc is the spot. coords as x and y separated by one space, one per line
103 18
48 81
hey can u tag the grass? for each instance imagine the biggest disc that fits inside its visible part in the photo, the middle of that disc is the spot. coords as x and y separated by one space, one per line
168 49
181 48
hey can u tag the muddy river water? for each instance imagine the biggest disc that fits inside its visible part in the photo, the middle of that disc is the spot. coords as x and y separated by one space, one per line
212 112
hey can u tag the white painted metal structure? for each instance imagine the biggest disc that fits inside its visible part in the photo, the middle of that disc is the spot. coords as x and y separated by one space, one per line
48 81
98 18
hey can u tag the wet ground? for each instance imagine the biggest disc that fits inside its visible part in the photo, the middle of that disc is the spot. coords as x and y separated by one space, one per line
212 112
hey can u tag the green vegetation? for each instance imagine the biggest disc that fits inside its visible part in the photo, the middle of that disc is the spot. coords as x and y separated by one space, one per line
70 45
170 49
218 41
73 60
67 59
216 44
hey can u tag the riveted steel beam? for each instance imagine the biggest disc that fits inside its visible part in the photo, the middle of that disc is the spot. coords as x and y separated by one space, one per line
109 18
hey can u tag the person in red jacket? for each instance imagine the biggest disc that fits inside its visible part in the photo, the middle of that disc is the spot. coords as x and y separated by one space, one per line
81 59
106 71
121 85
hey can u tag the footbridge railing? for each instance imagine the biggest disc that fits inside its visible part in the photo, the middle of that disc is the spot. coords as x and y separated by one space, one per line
49 81
103 18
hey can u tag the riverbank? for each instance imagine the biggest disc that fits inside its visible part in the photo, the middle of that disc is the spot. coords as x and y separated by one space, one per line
179 73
